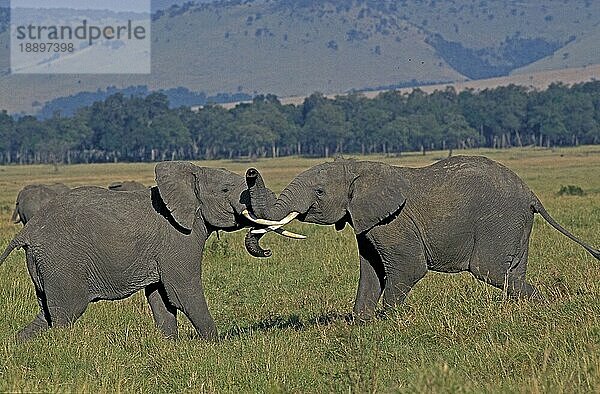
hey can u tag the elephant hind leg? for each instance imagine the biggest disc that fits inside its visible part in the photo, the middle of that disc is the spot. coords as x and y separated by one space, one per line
165 314
506 270
66 297
39 323
515 285
65 311
512 280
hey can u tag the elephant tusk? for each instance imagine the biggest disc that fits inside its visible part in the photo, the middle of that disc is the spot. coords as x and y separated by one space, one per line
278 230
265 222
289 234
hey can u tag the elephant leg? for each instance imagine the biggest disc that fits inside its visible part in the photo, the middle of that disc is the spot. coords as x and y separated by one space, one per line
194 306
404 261
506 270
515 284
39 324
371 282
184 291
401 276
64 310
66 297
61 287
165 314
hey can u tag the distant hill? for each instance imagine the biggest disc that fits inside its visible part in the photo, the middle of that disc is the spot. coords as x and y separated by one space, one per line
177 97
292 47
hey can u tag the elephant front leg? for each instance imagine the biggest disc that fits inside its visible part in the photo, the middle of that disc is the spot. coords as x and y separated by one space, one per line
403 260
371 282
184 290
165 314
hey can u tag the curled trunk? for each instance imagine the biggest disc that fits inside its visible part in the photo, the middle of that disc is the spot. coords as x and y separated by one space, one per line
264 205
253 247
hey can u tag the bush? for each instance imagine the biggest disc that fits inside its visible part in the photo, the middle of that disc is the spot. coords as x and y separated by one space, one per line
570 190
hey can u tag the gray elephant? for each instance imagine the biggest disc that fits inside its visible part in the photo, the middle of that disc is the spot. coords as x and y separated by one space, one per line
459 214
32 197
126 186
94 244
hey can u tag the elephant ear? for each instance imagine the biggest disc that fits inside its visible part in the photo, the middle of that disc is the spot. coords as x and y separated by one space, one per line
176 183
376 193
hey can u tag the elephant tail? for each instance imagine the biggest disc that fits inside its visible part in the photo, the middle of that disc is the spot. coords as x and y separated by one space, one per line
539 208
15 243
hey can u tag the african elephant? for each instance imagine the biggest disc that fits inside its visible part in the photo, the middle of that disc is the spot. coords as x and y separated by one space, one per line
32 197
459 214
126 186
94 244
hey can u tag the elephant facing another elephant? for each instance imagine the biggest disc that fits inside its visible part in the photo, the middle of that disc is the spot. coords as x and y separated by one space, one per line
95 244
459 214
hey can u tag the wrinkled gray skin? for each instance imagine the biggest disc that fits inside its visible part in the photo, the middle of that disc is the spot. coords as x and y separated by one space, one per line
126 186
32 197
94 244
460 214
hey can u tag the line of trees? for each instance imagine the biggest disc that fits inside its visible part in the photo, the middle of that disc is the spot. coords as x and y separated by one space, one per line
140 128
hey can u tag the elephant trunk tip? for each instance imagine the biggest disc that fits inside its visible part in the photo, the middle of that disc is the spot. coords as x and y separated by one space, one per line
253 247
251 173
251 177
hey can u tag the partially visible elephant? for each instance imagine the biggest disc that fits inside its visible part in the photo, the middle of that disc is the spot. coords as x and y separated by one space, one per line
459 214
32 197
94 244
126 186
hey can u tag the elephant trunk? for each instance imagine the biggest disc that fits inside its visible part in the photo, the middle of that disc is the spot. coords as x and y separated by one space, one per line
262 199
263 202
253 247
266 207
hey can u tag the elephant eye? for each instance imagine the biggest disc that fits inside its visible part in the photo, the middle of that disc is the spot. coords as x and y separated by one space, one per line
225 190
319 192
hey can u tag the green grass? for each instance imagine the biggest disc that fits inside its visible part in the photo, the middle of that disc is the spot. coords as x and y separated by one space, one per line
281 320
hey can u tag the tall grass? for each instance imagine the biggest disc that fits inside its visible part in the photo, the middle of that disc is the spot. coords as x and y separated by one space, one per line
282 320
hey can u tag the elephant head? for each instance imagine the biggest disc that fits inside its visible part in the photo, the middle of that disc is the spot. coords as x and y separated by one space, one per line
32 197
216 196
361 193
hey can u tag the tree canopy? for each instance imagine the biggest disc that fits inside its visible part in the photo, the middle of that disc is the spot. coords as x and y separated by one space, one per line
145 128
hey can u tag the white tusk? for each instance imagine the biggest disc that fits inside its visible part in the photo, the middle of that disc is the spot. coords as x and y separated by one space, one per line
278 230
289 234
265 230
265 222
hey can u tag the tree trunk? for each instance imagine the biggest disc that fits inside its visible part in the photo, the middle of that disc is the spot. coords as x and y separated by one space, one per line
519 139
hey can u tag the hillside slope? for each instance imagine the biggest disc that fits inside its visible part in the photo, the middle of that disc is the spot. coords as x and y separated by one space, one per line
290 47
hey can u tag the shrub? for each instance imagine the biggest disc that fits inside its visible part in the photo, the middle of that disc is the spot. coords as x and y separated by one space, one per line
570 190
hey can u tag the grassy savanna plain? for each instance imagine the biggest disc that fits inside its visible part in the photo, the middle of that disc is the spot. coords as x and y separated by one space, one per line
281 320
